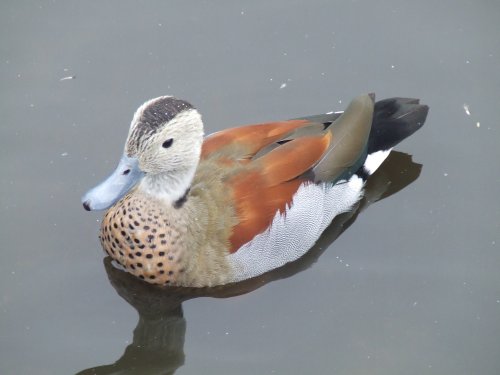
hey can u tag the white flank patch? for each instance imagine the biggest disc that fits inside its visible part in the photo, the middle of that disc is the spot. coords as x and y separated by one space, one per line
374 160
293 233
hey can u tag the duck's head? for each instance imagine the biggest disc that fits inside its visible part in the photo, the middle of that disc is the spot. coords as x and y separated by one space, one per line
160 157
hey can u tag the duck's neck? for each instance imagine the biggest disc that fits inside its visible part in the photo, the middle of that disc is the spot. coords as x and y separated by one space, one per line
169 187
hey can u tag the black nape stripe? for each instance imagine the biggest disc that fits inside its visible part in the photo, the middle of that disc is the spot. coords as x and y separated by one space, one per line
180 202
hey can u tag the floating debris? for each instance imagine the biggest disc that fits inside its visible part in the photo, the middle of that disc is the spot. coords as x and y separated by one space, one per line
283 85
466 109
67 78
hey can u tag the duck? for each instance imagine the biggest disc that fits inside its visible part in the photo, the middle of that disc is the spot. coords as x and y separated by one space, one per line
187 210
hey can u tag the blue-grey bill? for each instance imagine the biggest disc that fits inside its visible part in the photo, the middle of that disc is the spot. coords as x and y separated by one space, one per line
126 175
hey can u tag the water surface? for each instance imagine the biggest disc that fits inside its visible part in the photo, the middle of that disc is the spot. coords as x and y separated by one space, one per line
406 285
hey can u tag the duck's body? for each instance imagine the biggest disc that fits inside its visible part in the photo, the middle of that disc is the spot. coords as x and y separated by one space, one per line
247 199
183 244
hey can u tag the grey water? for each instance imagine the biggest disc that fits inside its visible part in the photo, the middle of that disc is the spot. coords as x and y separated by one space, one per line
407 283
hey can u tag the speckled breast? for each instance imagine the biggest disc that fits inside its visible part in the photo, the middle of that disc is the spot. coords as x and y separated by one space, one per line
141 239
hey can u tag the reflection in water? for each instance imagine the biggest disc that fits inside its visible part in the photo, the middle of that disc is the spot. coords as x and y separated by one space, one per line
158 342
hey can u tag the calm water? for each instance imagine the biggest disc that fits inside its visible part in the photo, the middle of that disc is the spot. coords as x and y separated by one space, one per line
411 285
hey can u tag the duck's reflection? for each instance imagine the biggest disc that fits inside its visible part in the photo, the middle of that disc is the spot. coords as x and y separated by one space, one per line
158 341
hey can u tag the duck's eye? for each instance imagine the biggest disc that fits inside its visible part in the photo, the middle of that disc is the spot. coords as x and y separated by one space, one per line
126 172
168 143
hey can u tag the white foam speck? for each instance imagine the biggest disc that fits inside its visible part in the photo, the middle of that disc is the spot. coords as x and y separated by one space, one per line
283 85
466 109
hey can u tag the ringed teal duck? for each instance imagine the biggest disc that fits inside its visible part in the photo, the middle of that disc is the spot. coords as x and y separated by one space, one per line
187 211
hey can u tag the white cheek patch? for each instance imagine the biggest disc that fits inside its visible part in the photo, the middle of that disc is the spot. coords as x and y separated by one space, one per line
293 233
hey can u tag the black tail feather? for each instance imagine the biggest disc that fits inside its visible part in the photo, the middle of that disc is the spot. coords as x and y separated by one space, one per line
394 120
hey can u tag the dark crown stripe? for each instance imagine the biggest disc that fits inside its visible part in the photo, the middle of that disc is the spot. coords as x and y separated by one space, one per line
156 114
161 111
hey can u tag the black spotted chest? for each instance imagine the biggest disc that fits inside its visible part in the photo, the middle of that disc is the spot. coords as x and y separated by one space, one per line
144 242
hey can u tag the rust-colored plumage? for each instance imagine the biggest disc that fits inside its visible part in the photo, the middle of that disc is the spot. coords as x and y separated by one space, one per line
266 184
246 141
